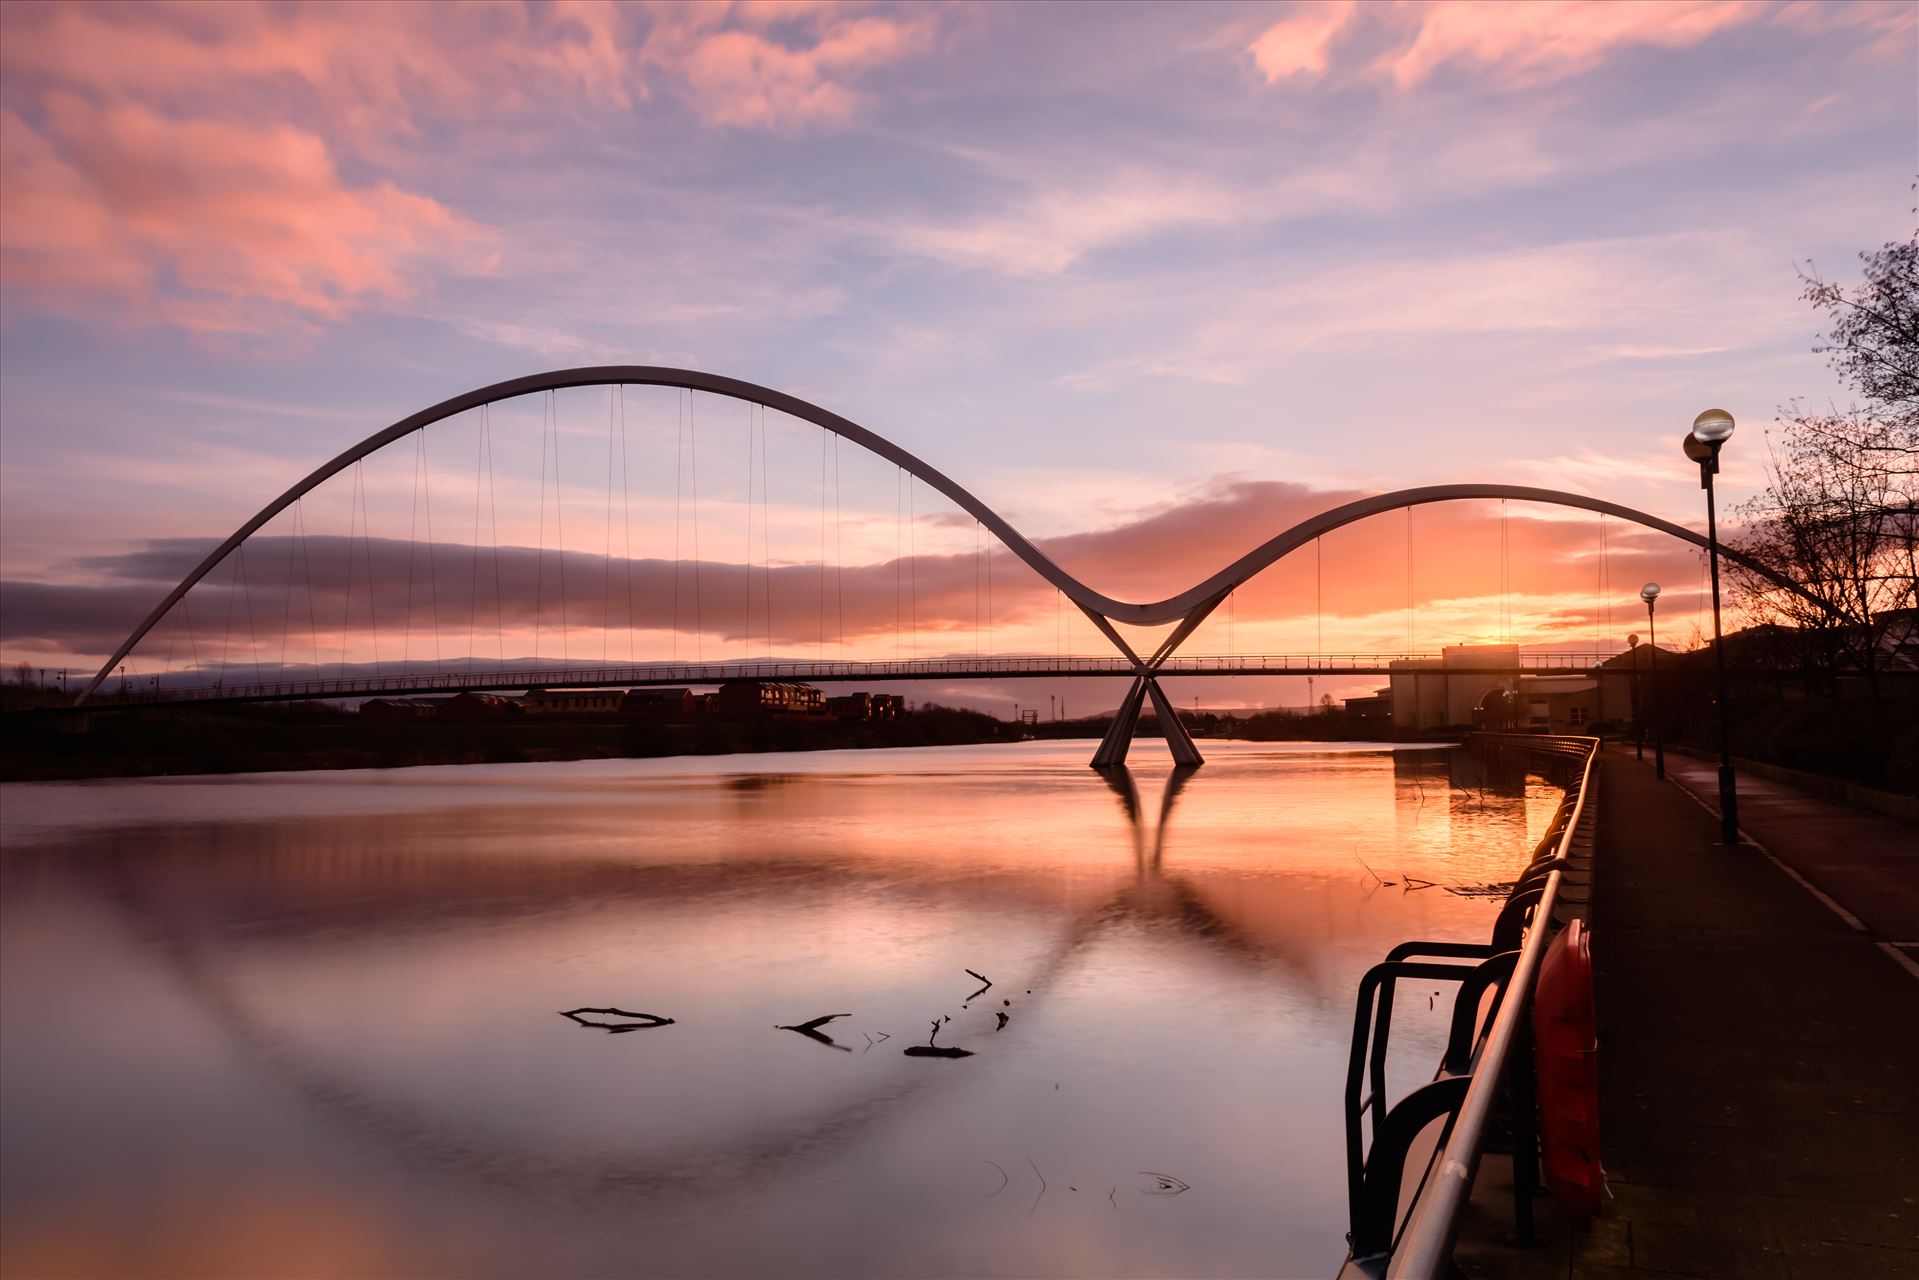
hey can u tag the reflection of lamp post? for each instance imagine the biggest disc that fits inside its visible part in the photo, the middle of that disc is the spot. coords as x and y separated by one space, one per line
1710 431
1650 593
1638 722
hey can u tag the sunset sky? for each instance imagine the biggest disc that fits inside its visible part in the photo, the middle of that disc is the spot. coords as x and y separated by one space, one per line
1153 281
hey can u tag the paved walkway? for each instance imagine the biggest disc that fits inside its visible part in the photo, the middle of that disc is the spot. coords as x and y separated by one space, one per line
1865 864
1759 1051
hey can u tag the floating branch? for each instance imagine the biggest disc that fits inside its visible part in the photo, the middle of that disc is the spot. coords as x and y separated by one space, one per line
811 1030
1163 1184
640 1021
1498 889
931 1050
1003 1181
1042 1187
1374 874
983 990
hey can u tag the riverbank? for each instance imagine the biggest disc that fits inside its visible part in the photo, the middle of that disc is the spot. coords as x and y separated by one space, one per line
157 743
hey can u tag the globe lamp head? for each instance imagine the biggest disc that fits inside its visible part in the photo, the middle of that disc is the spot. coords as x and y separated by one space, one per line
1714 426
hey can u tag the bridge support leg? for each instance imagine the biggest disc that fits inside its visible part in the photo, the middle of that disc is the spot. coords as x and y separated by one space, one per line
1178 740
1119 736
1113 747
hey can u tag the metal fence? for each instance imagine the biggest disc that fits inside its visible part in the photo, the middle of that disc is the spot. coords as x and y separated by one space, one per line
1425 1247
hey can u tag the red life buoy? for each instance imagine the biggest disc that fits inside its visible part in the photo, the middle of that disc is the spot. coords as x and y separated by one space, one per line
1566 1045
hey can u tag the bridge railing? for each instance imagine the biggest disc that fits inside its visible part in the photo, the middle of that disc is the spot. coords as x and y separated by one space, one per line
364 686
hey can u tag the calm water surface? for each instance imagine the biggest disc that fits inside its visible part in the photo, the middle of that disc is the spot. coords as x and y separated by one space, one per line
306 1024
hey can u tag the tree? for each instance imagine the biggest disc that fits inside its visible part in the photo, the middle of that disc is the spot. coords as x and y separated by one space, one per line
1840 509
1872 340
1841 533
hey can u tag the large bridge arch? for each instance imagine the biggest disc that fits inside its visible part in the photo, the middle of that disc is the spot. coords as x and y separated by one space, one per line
1187 609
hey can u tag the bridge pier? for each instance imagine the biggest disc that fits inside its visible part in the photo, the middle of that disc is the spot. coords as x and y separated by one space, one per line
1119 736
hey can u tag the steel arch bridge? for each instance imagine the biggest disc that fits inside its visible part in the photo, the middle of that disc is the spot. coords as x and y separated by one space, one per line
1185 610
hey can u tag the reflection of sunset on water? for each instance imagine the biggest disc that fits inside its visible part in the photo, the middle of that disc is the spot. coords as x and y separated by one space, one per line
372 965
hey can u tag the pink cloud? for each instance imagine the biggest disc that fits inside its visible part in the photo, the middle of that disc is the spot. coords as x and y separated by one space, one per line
742 76
1550 39
1298 43
184 163
210 225
1515 44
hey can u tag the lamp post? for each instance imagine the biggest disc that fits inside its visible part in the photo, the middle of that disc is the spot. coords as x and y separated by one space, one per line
1638 720
1710 431
1650 593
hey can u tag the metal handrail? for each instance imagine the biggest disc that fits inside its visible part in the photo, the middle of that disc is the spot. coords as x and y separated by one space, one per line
1425 1247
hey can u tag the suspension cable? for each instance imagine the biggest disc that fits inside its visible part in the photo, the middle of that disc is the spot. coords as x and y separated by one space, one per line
306 571
766 537
606 559
412 546
746 626
839 549
286 612
899 561
824 435
432 558
559 528
1411 634
539 554
693 475
679 479
1319 600
253 636
493 528
366 540
626 525
473 576
226 638
913 564
346 618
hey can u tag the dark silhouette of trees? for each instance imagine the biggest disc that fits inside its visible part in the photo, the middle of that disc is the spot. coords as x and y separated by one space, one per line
1840 509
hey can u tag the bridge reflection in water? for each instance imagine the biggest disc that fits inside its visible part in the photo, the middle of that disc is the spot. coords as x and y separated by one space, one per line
342 993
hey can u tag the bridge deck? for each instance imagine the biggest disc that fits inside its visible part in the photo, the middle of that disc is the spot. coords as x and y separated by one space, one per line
707 673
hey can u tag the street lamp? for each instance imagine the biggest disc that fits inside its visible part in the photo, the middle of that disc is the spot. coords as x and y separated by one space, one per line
1638 721
1650 593
1710 431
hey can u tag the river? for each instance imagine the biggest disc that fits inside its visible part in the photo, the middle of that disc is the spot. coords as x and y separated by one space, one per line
309 1024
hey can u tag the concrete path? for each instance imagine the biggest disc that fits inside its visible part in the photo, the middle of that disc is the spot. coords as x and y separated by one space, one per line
1759 1052
1865 864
